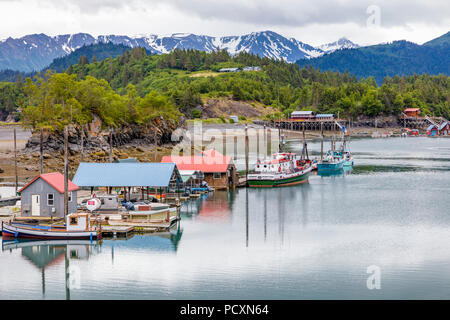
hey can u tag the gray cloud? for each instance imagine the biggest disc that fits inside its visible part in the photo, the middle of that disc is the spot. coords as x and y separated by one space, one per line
312 21
293 13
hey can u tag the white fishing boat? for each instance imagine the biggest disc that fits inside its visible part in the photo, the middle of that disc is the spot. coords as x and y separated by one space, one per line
283 169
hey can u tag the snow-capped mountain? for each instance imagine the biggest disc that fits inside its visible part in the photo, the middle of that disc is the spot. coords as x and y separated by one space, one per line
342 43
35 52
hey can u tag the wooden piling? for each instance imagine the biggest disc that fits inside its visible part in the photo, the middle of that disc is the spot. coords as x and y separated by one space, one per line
265 141
246 151
82 144
66 171
321 141
155 140
257 144
235 147
15 162
110 145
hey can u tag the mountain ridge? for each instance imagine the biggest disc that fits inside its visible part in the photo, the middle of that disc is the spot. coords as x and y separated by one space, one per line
396 58
35 52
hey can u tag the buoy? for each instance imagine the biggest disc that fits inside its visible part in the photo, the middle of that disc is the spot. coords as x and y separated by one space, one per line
279 168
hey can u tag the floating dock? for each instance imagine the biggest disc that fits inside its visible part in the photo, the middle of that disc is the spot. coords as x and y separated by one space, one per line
117 231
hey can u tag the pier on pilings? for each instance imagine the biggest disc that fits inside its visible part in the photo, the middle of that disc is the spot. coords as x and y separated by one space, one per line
419 122
309 125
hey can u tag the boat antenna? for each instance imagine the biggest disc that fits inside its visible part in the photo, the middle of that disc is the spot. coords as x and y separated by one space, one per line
321 140
305 146
279 135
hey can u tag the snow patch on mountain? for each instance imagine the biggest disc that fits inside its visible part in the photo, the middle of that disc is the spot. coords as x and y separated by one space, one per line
342 43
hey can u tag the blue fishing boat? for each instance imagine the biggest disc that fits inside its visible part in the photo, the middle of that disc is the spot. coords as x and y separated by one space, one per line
333 161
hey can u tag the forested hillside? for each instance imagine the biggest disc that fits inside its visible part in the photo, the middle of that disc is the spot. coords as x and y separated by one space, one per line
387 60
86 54
127 87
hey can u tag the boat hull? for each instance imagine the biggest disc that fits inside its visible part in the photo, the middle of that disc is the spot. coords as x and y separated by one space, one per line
288 181
11 231
348 163
330 166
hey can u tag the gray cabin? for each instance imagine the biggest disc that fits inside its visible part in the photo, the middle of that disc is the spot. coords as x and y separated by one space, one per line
44 196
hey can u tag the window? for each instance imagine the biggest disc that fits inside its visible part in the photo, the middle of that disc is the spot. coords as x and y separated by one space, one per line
50 199
69 196
217 175
73 221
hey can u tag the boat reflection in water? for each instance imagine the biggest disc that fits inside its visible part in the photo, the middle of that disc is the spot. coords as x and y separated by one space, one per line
330 173
46 253
216 206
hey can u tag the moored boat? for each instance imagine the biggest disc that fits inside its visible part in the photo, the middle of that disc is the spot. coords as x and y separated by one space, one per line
348 159
283 169
77 227
333 161
347 154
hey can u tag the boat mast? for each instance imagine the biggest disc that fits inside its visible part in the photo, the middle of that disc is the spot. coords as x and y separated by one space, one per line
305 146
321 142
279 135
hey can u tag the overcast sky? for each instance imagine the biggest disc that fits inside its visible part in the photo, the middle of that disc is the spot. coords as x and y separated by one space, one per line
312 21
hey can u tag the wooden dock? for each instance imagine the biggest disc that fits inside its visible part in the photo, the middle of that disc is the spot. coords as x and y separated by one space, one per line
117 231
146 226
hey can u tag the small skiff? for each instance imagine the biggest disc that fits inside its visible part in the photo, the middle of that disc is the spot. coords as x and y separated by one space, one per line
77 227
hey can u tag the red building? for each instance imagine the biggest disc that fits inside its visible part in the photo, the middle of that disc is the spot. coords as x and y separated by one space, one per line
432 131
412 112
444 129
219 170
303 115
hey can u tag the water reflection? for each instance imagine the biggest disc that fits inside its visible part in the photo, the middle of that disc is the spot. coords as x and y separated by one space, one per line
44 254
311 241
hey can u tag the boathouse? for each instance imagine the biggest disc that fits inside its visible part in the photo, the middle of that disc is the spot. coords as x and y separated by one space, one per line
302 115
145 177
444 129
412 112
44 196
432 130
219 170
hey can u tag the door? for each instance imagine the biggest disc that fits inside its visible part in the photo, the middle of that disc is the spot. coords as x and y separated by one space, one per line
35 205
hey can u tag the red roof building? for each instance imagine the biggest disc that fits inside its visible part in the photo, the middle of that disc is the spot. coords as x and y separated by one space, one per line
412 112
218 169
56 180
44 196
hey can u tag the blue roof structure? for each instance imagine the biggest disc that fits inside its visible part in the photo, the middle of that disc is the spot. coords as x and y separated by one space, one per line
442 126
138 174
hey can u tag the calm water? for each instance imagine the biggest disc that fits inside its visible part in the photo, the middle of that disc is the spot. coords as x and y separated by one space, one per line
312 241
